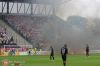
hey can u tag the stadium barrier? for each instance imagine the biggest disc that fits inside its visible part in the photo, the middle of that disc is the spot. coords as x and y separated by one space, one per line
94 51
25 50
18 53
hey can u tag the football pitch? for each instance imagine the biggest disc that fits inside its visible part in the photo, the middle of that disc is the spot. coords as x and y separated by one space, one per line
73 60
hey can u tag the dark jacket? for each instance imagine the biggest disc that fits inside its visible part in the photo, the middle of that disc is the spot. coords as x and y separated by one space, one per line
52 51
64 51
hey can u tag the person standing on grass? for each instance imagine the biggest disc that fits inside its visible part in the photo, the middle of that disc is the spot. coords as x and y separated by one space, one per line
87 50
52 53
64 52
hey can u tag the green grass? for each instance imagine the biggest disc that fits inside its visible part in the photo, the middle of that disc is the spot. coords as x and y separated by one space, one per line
73 60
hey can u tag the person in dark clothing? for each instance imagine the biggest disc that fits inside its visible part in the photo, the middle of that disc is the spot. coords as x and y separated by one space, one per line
29 52
64 52
87 50
52 53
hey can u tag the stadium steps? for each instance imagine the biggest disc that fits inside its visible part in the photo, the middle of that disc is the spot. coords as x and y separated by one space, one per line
17 37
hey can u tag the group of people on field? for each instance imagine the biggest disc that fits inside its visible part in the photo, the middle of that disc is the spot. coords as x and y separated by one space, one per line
64 53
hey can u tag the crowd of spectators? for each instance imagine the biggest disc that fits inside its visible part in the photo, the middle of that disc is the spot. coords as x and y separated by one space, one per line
27 26
5 38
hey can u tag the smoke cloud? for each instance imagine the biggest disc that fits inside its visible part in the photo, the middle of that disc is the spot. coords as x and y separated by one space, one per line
79 26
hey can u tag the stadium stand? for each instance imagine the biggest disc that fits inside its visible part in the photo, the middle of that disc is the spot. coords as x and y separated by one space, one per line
10 34
31 30
6 38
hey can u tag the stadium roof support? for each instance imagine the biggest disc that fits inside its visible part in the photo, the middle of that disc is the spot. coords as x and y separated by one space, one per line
44 7
8 5
32 1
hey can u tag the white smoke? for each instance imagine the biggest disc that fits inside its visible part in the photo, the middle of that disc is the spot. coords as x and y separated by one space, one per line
85 8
